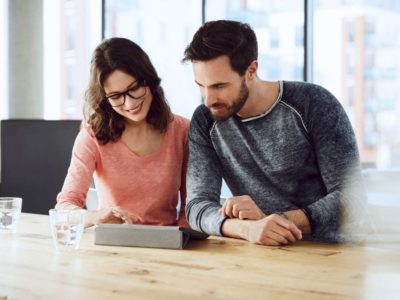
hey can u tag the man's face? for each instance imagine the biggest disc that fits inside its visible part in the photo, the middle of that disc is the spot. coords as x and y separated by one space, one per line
224 91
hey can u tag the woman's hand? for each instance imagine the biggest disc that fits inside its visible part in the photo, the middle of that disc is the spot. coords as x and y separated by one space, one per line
107 215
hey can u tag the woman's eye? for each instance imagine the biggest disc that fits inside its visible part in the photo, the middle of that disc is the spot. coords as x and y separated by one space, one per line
114 97
134 89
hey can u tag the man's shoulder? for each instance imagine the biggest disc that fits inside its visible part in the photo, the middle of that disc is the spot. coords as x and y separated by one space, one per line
202 117
315 105
301 85
201 111
301 93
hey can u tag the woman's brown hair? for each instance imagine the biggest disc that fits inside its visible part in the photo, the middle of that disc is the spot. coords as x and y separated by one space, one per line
124 55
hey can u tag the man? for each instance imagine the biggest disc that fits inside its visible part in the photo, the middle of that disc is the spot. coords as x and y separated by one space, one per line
285 149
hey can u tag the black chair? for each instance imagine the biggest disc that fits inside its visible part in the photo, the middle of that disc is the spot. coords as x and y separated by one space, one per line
35 156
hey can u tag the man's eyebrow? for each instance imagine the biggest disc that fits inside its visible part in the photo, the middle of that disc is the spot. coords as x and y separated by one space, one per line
212 85
198 83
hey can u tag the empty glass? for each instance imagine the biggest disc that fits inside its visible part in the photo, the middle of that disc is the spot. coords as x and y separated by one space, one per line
10 211
66 227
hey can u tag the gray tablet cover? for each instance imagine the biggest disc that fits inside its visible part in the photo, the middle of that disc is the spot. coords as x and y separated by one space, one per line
171 237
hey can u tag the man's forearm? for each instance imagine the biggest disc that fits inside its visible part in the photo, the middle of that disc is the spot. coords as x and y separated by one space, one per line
235 228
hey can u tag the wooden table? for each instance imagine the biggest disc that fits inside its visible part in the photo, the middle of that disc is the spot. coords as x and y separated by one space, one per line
217 268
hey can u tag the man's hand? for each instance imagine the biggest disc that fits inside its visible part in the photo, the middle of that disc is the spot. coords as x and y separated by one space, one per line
273 230
242 207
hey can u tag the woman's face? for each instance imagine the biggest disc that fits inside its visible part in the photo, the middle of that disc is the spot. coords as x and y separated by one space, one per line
128 97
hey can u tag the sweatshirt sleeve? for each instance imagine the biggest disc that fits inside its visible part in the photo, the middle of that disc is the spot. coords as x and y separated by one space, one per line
80 172
204 176
337 156
182 222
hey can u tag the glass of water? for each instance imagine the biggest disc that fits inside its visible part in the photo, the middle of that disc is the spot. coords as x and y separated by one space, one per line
66 227
10 211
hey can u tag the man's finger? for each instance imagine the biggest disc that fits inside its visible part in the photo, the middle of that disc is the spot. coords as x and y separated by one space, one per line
290 226
228 208
278 238
287 234
236 210
245 215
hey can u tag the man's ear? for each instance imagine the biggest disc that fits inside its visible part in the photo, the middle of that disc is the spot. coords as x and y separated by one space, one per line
252 69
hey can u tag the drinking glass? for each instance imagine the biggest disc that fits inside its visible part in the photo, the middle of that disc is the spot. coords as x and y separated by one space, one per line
10 211
66 227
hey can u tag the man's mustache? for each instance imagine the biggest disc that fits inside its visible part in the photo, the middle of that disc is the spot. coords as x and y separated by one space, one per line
217 105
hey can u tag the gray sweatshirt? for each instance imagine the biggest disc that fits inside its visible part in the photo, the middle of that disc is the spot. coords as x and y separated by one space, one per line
300 154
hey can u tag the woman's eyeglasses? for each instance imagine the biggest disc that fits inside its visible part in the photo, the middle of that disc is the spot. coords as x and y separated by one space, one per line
135 92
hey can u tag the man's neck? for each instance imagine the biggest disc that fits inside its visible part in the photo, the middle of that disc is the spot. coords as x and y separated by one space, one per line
262 96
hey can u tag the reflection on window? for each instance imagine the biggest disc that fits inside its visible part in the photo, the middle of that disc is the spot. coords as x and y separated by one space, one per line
163 29
354 53
278 25
299 38
274 38
72 32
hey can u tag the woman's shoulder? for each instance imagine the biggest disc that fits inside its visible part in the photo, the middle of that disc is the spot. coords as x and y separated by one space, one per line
180 122
86 132
178 128
86 135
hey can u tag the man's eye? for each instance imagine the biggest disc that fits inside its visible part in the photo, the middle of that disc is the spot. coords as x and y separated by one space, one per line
219 86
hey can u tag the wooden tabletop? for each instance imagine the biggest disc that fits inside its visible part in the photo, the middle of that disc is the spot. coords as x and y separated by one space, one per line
217 268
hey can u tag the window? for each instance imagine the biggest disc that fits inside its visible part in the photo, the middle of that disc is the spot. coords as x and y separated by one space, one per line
354 60
163 33
299 37
355 56
279 28
72 31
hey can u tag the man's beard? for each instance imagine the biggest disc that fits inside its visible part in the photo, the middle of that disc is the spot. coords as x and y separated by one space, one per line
235 107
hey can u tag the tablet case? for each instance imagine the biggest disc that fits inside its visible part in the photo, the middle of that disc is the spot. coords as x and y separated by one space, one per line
171 237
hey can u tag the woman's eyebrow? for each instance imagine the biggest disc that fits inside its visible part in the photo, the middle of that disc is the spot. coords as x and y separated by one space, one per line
120 92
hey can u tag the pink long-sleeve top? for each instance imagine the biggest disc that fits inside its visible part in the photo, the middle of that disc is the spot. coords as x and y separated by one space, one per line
147 187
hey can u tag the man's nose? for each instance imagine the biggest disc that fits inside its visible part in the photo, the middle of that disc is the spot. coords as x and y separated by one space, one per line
209 97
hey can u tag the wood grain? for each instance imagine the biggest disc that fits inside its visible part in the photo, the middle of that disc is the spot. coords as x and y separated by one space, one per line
217 268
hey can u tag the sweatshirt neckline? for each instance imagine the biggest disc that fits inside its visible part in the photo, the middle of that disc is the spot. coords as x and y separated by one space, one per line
269 109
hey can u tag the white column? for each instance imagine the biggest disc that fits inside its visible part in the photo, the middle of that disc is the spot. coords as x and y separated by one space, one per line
25 73
3 59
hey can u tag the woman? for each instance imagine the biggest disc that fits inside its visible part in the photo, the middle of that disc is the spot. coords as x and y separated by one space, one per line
134 146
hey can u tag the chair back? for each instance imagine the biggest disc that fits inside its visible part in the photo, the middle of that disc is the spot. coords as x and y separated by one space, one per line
35 156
